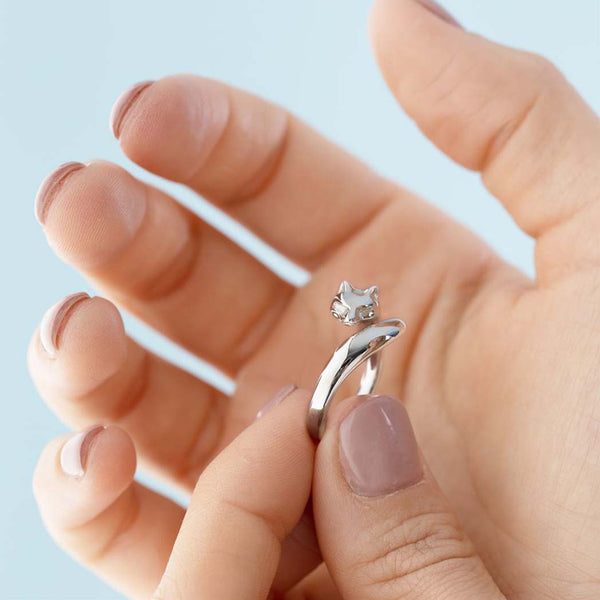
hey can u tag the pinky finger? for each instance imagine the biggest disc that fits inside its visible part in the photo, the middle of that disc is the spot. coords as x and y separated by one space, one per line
94 509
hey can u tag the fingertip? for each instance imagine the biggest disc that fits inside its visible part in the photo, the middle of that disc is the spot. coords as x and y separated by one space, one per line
85 472
177 118
50 186
374 497
54 320
275 450
124 103
94 214
75 451
369 447
111 461
284 416
81 342
412 35
276 399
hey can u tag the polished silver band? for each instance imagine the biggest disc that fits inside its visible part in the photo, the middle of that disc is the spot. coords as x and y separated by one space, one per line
361 347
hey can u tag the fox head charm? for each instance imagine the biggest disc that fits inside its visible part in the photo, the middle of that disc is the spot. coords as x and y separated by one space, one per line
353 306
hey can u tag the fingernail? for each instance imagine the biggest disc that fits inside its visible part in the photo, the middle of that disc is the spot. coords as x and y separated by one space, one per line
278 398
378 449
50 186
73 456
440 11
124 102
54 320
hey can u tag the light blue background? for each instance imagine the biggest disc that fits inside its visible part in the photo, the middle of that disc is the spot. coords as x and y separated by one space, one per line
63 63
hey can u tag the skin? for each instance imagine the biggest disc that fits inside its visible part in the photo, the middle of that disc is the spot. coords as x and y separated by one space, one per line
498 372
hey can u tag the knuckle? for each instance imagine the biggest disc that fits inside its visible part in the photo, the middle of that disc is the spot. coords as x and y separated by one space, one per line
414 554
543 70
543 79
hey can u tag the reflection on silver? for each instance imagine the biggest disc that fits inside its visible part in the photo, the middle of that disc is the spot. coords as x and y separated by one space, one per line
353 307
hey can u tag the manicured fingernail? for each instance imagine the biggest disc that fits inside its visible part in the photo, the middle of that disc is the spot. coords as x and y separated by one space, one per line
50 186
378 449
278 398
73 456
124 102
54 320
440 11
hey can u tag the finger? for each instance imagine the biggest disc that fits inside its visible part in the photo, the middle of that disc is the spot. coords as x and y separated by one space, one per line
89 371
385 528
300 553
317 585
90 504
506 113
300 193
160 261
245 504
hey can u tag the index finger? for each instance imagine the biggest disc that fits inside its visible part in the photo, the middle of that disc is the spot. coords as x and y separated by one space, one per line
244 506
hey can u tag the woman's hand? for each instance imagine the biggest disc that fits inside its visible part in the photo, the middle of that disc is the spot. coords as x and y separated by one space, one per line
499 373
384 526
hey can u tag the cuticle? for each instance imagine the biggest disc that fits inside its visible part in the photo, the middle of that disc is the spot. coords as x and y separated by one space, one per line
55 188
65 319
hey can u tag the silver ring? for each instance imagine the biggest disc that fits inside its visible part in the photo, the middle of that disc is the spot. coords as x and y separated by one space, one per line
353 307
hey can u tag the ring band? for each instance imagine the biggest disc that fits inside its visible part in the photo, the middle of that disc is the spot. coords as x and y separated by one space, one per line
363 346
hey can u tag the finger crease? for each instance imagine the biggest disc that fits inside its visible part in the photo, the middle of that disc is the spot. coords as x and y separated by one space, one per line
201 447
459 558
174 276
259 325
134 391
274 525
256 185
505 133
129 505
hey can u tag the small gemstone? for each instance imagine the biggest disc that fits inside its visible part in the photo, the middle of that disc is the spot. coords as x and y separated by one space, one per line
338 310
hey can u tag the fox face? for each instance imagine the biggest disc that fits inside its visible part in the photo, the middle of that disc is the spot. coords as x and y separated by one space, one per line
352 306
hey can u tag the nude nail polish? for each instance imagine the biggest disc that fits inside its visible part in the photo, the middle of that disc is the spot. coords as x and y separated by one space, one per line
440 11
50 186
73 456
378 449
278 398
124 103
54 320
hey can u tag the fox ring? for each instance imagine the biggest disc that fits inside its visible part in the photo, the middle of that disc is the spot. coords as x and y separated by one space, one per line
359 308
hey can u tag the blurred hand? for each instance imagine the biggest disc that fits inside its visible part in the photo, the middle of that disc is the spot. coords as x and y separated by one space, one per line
498 372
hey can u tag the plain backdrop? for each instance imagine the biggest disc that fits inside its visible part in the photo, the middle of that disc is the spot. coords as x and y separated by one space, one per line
63 63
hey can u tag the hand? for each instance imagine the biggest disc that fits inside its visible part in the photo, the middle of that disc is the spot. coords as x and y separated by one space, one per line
498 372
246 511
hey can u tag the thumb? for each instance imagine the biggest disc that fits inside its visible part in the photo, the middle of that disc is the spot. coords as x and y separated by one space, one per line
384 526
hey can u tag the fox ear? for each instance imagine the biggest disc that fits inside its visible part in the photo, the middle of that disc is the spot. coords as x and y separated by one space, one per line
345 288
373 291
